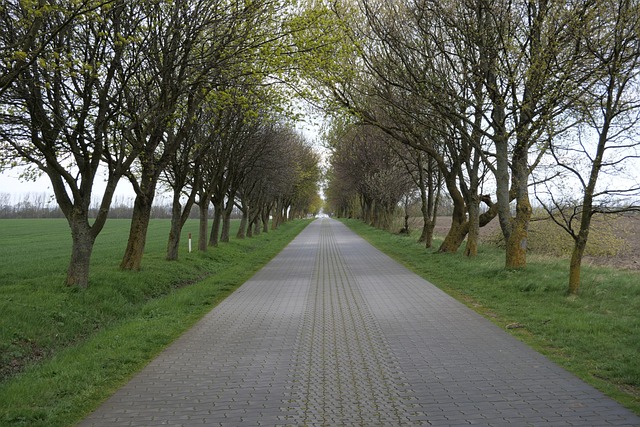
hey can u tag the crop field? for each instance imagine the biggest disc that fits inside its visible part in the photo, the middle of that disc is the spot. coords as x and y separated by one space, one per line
613 242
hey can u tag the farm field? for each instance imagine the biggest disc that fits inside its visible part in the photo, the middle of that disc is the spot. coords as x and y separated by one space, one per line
618 239
63 350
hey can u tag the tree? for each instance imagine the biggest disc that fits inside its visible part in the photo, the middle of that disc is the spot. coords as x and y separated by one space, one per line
364 162
427 178
607 137
420 87
532 73
192 48
58 112
184 175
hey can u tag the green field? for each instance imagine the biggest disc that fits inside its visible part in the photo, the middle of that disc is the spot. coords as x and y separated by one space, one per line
64 350
596 335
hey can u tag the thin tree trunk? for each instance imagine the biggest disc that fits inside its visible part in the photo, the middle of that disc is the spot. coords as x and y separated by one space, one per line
576 261
424 208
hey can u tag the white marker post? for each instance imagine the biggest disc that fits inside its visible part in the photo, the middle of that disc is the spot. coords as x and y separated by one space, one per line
189 242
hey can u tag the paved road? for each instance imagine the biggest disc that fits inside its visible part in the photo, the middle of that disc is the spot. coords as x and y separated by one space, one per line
334 333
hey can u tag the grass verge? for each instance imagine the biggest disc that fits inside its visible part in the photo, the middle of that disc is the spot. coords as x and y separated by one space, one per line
596 335
63 350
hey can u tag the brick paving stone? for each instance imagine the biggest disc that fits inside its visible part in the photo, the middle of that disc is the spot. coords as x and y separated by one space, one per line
334 333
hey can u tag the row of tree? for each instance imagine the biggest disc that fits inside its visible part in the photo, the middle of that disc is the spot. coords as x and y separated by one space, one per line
179 92
480 95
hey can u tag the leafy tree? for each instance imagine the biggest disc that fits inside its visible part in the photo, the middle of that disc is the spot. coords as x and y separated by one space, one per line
192 48
58 113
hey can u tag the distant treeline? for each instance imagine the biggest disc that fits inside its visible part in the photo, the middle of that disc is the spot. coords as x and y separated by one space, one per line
43 205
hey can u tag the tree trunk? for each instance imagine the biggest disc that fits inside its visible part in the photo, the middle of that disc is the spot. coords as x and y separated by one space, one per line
81 249
226 222
576 262
203 224
457 232
428 222
427 230
132 259
455 236
214 237
253 229
243 222
430 198
276 215
250 228
471 249
516 256
266 213
424 208
173 245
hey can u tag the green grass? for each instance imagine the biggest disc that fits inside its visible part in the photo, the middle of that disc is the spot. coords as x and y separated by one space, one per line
64 350
596 335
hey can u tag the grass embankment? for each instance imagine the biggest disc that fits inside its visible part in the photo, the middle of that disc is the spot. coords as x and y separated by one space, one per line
596 335
64 350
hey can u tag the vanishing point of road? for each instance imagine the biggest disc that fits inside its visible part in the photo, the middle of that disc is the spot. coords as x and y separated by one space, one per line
334 333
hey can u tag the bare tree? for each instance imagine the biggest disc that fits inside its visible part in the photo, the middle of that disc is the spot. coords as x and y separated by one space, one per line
608 135
364 157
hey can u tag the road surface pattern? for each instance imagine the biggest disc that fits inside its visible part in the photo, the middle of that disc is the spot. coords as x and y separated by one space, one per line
334 333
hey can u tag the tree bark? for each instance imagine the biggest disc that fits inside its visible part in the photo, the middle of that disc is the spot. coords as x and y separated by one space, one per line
241 234
516 256
277 211
226 222
457 232
203 224
471 249
424 208
173 244
214 237
250 228
132 259
82 247
576 261
266 213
